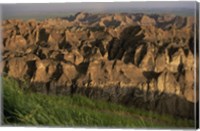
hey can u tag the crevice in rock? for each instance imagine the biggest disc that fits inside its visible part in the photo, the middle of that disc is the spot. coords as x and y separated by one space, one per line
58 72
43 36
31 68
82 67
142 55
65 45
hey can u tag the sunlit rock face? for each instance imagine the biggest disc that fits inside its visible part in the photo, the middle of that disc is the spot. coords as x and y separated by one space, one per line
135 59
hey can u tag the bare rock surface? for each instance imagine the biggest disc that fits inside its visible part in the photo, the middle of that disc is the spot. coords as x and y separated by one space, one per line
135 59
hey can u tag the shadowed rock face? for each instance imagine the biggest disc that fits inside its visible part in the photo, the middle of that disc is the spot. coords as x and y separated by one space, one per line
135 59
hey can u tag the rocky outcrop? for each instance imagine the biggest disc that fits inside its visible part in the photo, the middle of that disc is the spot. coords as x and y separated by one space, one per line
134 59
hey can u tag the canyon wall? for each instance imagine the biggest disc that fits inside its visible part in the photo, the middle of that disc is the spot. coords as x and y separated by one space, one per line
140 60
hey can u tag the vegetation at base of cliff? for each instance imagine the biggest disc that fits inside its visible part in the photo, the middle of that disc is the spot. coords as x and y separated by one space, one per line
35 109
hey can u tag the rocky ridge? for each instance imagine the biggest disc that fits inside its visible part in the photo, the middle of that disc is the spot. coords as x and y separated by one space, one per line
135 59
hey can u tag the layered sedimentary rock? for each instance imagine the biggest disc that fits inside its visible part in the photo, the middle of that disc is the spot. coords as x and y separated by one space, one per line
140 60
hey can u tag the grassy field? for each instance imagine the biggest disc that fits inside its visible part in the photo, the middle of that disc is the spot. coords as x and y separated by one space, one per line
34 109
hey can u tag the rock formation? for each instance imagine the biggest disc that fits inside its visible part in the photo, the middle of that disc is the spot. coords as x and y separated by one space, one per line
139 60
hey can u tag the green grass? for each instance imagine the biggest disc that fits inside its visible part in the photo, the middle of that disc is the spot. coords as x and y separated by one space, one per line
34 109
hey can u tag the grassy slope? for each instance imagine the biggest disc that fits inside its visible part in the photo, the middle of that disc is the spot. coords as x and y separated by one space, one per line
25 108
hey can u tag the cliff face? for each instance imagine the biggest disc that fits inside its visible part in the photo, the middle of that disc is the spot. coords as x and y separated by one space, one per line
135 59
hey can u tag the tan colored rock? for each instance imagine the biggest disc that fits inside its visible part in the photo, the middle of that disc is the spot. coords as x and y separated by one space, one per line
160 63
189 62
70 57
189 78
16 43
103 73
189 22
31 57
96 55
99 72
177 59
17 68
63 81
7 31
147 21
56 36
71 37
32 23
189 94
2 66
133 73
167 83
44 71
153 85
148 62
70 71
74 57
